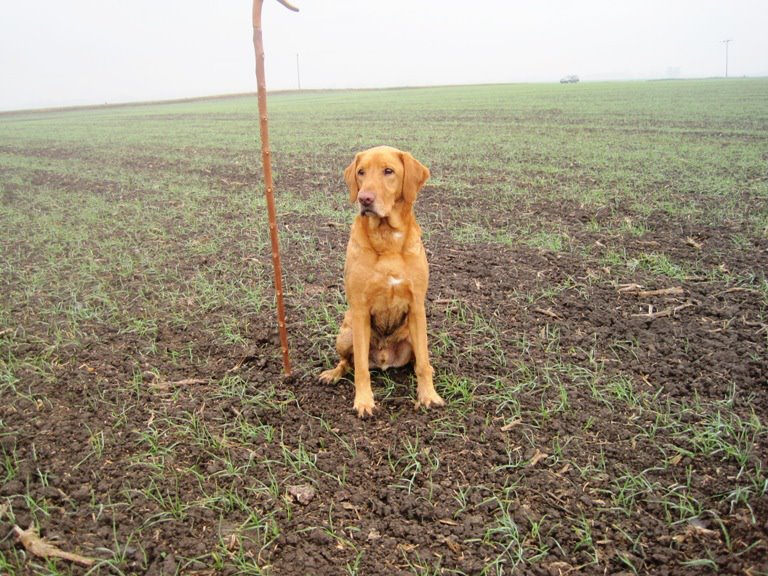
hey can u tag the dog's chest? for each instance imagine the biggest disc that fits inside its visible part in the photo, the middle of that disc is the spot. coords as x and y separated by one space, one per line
386 282
389 291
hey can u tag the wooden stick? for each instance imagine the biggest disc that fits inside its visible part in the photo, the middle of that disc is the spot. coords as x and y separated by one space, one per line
42 549
266 156
652 315
637 290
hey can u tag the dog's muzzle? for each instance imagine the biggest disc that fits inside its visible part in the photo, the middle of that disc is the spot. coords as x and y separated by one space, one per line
366 201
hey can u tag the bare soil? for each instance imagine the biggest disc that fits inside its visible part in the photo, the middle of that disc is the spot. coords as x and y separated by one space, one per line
366 508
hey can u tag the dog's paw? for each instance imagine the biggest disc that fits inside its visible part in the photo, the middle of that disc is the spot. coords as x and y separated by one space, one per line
429 399
330 376
364 405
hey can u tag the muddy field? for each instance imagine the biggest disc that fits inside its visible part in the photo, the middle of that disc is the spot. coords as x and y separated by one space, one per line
606 385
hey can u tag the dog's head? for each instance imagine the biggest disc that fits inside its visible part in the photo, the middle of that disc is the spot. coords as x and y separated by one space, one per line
381 177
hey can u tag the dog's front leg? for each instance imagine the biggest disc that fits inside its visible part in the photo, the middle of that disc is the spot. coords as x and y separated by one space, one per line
361 344
426 395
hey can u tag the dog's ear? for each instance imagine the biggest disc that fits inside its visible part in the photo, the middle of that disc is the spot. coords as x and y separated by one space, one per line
416 174
350 175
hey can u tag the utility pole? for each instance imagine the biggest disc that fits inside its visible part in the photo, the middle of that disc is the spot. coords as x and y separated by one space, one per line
298 71
726 42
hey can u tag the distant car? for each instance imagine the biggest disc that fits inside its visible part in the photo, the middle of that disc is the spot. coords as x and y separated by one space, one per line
573 79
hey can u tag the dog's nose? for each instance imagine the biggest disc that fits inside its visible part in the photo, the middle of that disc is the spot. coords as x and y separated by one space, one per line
365 198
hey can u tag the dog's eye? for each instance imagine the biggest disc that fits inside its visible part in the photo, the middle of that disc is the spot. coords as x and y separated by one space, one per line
388 171
361 172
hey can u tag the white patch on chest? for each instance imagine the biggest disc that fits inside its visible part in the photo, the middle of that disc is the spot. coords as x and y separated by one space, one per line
393 281
397 235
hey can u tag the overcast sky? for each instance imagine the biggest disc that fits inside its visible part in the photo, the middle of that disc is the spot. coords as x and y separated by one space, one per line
67 52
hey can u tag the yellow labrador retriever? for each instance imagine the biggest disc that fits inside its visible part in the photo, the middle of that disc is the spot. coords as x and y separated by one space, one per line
385 277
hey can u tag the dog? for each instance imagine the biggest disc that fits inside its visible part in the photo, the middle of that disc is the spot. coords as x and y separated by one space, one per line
385 277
